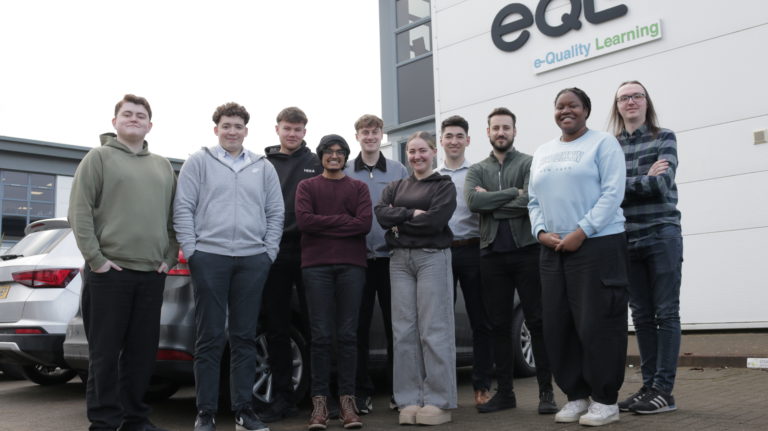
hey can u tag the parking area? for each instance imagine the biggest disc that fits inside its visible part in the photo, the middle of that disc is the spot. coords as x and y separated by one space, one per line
707 398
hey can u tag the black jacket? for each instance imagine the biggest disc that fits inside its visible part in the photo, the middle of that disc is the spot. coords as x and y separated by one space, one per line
292 168
435 194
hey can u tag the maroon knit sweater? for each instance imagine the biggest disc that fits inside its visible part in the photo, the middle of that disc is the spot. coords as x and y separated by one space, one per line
333 216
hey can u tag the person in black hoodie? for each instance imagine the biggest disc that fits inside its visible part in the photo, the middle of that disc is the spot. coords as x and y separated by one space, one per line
415 212
293 162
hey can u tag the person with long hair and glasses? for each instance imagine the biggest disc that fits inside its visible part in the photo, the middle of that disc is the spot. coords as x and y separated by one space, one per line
576 189
415 212
655 244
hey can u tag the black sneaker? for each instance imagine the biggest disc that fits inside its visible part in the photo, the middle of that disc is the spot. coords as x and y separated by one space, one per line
205 421
278 410
654 401
499 401
547 404
246 420
627 403
364 405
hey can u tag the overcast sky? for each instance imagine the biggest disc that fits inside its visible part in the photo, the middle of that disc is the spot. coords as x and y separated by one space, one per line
64 65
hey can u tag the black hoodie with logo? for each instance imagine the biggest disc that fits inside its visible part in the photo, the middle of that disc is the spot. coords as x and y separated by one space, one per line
291 169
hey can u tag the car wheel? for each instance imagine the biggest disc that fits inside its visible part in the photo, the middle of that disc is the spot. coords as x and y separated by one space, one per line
46 375
262 386
525 364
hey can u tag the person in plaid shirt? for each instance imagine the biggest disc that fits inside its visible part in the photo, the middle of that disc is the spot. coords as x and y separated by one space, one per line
655 244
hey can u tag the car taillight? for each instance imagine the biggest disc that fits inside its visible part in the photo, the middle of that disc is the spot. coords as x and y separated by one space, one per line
173 355
45 277
181 268
26 331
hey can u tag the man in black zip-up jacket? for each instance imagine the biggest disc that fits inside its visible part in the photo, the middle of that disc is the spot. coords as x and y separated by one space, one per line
293 162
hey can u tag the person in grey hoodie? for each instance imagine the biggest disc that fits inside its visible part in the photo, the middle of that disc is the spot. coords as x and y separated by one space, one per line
228 216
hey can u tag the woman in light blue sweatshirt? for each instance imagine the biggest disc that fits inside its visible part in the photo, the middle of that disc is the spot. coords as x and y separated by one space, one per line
576 190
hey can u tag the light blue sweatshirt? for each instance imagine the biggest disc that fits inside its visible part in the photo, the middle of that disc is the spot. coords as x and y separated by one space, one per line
222 211
578 184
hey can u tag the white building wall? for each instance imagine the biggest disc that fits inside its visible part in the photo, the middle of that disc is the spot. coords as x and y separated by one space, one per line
63 188
707 77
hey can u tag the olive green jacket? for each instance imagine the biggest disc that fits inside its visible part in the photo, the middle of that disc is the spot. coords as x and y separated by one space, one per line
502 200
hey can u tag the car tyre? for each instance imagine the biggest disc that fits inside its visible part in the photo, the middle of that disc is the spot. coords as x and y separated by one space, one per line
48 375
262 386
525 364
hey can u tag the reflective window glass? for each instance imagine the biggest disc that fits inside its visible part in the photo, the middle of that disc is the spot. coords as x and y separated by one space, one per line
414 42
409 11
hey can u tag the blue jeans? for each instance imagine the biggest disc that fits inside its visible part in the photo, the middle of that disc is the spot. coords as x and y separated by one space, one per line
224 283
334 293
654 298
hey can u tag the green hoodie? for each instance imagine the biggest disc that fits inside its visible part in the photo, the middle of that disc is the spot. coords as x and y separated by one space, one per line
502 200
121 207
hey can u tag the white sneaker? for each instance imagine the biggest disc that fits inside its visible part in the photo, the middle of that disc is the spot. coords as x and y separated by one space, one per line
432 415
600 414
572 410
408 414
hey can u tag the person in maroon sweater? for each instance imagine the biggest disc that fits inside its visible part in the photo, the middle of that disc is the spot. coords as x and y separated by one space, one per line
333 212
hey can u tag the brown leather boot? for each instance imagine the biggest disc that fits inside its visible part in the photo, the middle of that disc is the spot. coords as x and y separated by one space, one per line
348 412
318 420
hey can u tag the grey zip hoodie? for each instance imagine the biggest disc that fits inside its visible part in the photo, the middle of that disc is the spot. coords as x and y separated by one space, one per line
221 211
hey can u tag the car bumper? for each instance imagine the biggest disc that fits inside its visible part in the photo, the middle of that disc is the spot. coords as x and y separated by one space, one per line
32 349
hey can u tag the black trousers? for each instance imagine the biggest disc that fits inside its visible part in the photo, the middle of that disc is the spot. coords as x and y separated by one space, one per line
465 263
121 318
277 314
376 284
585 316
503 273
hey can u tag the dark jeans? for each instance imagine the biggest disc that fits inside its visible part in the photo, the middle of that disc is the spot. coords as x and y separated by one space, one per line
376 284
121 318
585 316
465 263
503 273
333 296
655 266
277 318
228 293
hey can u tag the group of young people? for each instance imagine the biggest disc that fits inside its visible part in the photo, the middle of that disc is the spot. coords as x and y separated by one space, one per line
580 229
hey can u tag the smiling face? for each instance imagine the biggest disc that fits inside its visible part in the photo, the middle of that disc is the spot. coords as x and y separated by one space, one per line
231 132
291 136
333 159
420 157
570 115
454 141
634 109
369 139
501 132
132 123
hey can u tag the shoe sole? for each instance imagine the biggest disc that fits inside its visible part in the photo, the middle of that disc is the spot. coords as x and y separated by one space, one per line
484 408
433 420
568 419
548 411
660 410
596 423
352 425
317 427
406 419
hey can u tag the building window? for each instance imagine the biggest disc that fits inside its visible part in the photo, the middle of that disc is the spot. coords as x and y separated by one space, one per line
413 40
25 198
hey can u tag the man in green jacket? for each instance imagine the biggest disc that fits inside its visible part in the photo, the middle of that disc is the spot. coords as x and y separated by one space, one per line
120 210
497 189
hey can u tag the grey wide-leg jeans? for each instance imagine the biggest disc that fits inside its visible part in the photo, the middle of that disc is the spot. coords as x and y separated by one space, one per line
423 328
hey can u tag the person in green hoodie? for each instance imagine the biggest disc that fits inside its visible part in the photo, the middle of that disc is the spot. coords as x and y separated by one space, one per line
120 210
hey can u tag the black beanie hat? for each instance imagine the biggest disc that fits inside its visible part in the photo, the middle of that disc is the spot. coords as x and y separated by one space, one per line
328 141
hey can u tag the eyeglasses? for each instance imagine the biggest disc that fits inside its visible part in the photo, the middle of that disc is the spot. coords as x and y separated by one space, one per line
337 153
637 97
